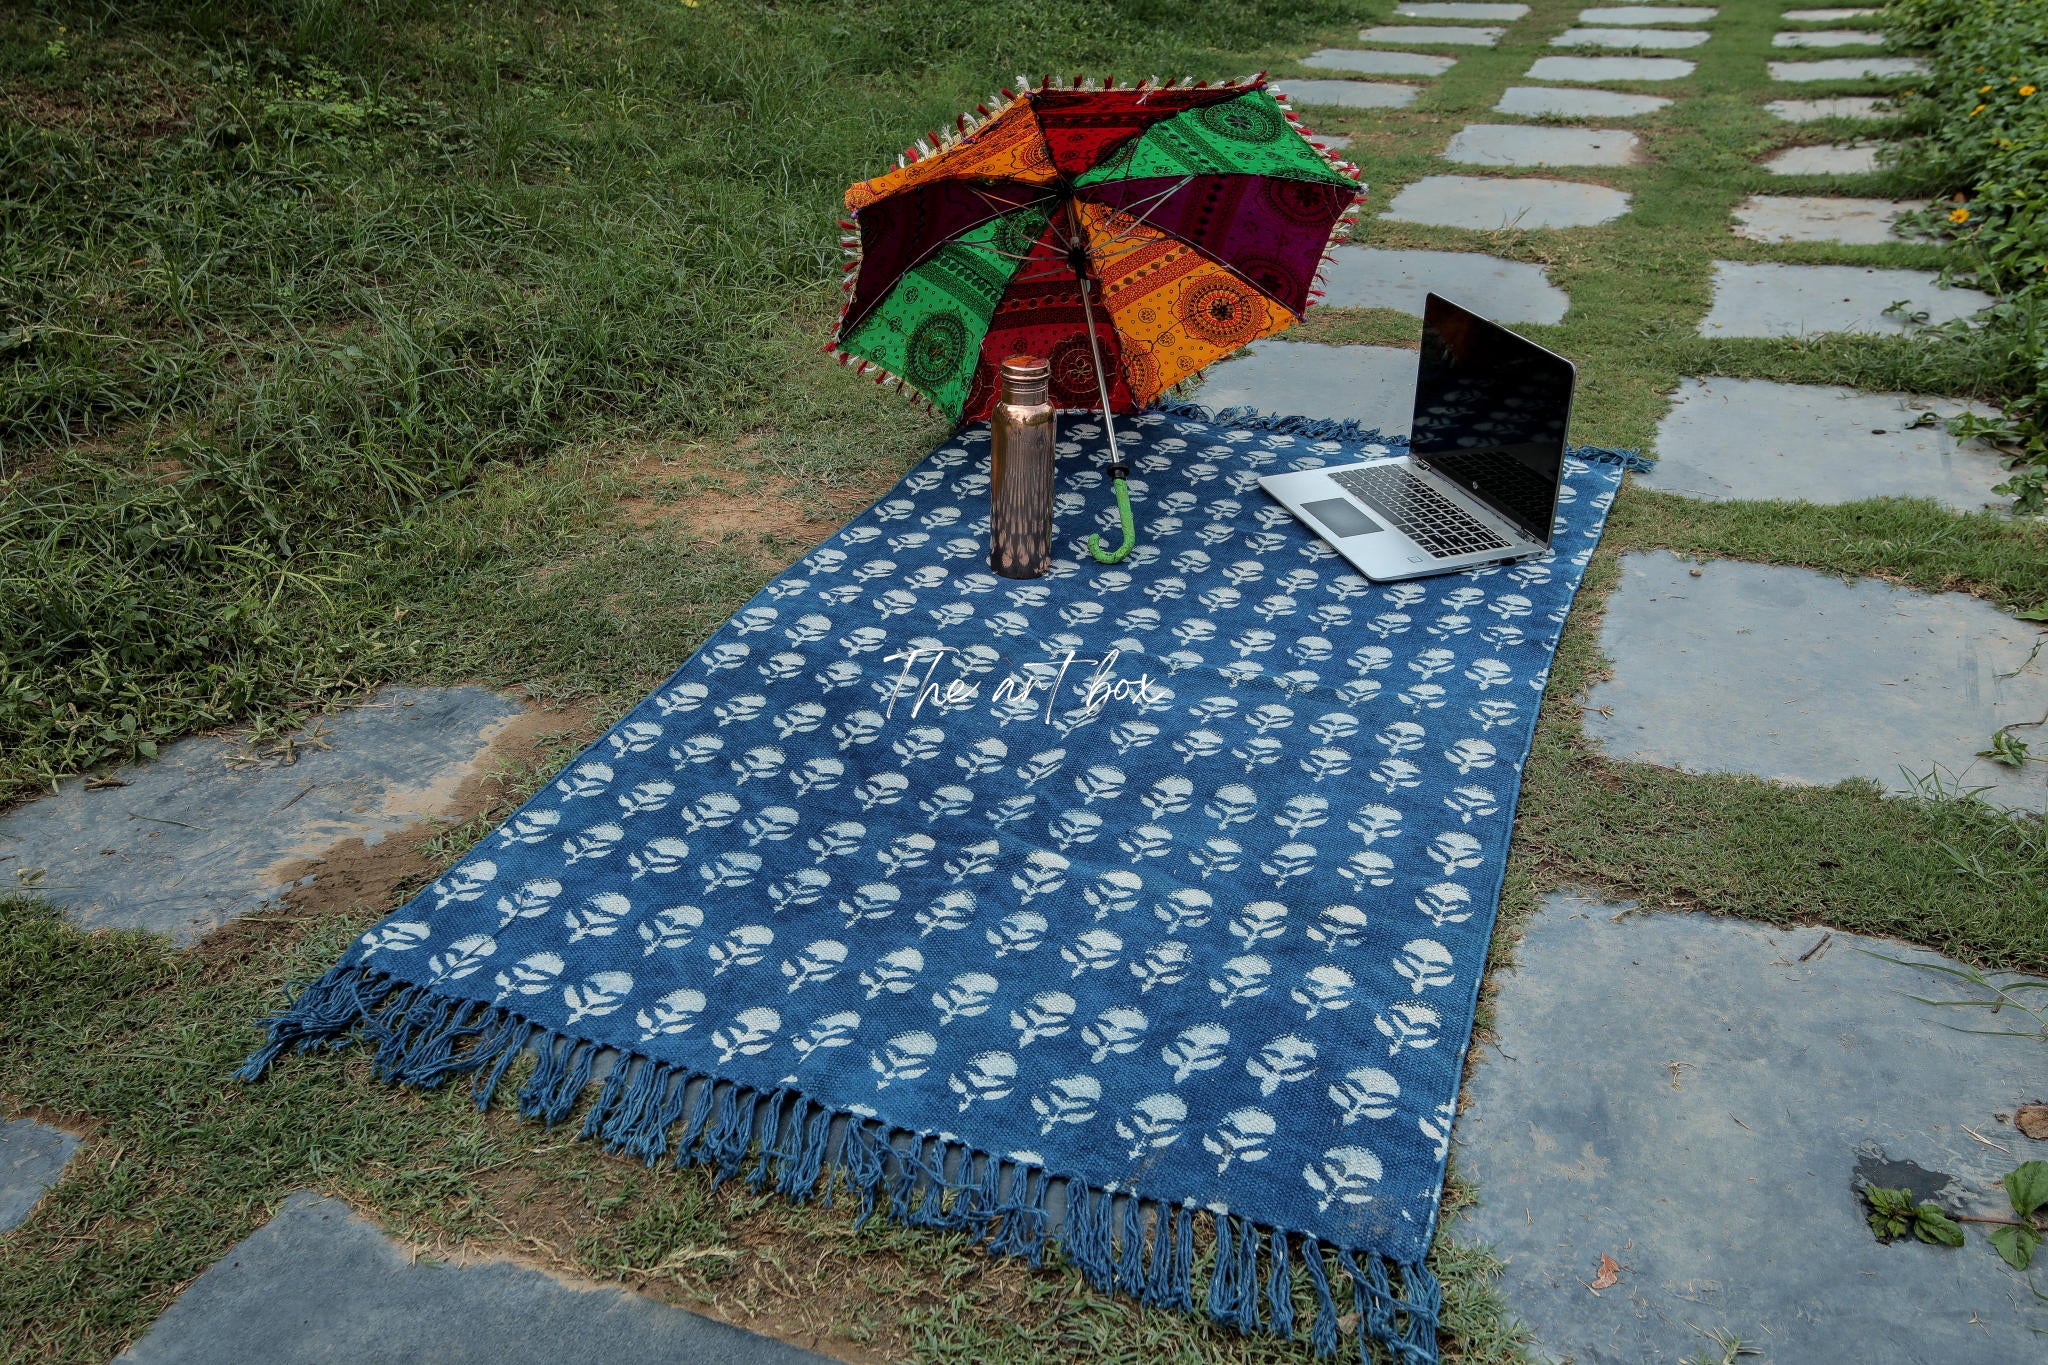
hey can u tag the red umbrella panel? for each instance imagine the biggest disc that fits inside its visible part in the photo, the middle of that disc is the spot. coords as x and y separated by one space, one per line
1198 218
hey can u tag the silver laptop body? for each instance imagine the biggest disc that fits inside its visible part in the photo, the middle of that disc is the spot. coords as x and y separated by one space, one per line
1479 484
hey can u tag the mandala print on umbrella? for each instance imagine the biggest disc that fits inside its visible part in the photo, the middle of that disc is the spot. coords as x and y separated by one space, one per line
1183 221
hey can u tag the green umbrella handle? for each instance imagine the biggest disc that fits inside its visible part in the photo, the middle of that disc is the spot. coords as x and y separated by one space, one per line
1123 511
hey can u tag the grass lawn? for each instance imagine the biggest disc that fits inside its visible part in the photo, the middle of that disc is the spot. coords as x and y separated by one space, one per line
451 342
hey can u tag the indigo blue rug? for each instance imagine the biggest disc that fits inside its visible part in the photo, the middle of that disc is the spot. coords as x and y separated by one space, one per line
1163 889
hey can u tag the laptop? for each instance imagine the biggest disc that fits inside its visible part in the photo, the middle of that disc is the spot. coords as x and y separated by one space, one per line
1485 454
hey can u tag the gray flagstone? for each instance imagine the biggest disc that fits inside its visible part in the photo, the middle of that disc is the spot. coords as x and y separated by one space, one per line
32 1158
1767 299
1538 101
1377 277
1797 677
1729 439
1694 1096
1372 63
1819 218
1487 204
1594 70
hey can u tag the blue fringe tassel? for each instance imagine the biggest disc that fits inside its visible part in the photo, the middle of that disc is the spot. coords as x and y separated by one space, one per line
1221 1305
1279 1290
1247 1284
1323 1333
422 1040
1130 1261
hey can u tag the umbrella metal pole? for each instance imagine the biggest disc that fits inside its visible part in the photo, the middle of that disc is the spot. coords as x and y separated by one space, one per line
1118 470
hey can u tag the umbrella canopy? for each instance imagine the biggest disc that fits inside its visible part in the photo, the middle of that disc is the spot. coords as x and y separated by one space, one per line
1177 222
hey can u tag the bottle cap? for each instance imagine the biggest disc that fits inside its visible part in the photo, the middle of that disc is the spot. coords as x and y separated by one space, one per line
1026 379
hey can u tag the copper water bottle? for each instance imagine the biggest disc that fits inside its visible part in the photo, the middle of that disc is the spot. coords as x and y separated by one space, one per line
1021 438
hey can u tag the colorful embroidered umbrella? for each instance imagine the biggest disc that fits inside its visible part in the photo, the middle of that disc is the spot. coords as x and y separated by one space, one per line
1129 235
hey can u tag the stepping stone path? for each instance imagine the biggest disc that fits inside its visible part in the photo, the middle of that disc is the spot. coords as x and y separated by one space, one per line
32 1157
1648 14
1629 37
1371 385
1485 205
1426 35
1348 94
318 1284
1825 16
1506 13
1754 299
1846 106
1594 70
1856 159
1810 218
1536 101
186 843
1695 1097
1754 439
1506 291
1496 144
1847 69
1379 63
1827 38
1800 678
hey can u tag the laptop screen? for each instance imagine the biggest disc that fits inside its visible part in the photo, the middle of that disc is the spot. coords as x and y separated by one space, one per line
1491 411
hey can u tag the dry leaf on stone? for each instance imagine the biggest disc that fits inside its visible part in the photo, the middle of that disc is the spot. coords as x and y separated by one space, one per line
2032 1120
1609 1275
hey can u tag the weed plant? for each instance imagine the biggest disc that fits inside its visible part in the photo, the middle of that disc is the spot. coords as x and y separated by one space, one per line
1984 111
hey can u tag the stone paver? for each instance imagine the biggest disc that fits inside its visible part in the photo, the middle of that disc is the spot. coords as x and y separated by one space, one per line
1511 144
1595 70
32 1157
1428 34
1848 69
1474 202
1844 106
1379 63
1371 385
1756 439
1685 1094
1648 14
190 842
1858 158
1829 38
1816 218
1506 291
1538 101
1349 94
1825 16
1800 678
1630 37
317 1284
1753 299
1503 13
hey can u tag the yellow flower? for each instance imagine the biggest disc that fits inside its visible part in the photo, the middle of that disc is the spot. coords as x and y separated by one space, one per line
2026 90
1983 89
1978 110
1960 216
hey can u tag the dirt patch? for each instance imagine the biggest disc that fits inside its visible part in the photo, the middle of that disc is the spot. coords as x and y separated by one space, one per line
357 877
723 495
804 1278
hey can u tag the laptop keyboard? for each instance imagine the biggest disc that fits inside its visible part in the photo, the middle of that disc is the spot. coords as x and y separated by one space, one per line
1418 511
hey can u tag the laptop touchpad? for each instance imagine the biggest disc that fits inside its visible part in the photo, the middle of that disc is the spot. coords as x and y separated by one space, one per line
1341 517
